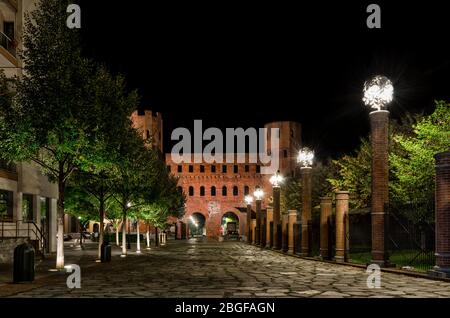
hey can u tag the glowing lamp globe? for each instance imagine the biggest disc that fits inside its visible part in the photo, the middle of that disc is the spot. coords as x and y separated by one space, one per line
248 199
258 194
276 180
378 92
305 157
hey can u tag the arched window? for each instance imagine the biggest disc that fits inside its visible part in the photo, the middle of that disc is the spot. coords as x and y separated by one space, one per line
224 191
191 191
213 191
202 191
147 133
235 191
246 190
180 189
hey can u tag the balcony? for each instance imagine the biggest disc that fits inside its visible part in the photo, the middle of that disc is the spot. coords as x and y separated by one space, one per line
8 44
8 170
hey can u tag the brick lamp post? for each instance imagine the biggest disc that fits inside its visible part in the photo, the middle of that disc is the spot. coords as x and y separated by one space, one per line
305 159
276 181
378 93
249 200
258 194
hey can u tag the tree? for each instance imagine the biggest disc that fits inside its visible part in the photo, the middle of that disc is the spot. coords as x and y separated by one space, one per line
291 198
113 107
354 175
51 121
133 176
81 206
413 165
161 200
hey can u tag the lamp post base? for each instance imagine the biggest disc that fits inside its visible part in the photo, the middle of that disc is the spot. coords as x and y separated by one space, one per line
438 272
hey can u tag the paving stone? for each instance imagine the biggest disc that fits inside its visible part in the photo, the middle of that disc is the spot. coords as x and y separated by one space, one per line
212 269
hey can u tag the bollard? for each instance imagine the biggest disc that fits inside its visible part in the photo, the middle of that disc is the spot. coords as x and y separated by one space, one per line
325 214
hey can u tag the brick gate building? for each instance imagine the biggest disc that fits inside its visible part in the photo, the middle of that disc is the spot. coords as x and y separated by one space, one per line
215 192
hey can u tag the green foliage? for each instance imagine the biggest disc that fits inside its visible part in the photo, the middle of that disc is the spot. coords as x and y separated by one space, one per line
52 119
413 144
78 204
413 165
291 190
354 175
73 119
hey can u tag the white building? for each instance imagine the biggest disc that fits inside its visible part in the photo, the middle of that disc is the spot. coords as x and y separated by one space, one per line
28 200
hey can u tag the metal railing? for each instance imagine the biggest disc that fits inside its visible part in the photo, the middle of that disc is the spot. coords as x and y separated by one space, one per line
8 43
23 229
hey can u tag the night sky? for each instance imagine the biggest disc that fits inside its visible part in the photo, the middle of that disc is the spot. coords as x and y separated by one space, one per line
242 66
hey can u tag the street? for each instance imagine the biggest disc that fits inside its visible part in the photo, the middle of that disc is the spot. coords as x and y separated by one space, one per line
212 269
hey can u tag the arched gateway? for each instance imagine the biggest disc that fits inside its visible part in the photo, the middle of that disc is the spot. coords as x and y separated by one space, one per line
197 225
230 225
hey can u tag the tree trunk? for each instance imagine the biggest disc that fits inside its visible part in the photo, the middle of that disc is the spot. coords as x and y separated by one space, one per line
117 233
138 239
148 236
81 233
124 235
60 225
101 234
156 237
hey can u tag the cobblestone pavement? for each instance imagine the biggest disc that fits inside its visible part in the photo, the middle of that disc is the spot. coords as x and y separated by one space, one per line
229 269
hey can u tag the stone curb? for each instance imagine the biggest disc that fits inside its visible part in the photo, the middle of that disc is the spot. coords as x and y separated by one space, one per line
386 270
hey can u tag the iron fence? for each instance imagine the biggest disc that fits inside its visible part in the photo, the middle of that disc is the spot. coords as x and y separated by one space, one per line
411 235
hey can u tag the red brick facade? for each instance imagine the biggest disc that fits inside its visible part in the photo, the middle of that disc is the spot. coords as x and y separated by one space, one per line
213 194
443 212
212 191
380 178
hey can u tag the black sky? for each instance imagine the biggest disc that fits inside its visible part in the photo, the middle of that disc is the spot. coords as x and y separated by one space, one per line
236 65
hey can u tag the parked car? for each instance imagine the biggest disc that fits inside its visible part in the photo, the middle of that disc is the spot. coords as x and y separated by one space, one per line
67 237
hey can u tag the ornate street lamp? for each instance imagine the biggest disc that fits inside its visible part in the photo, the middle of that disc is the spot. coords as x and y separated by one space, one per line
378 93
305 159
258 194
276 181
249 200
